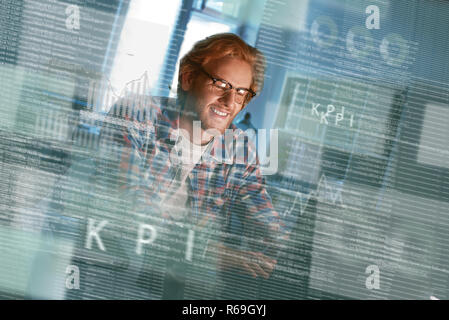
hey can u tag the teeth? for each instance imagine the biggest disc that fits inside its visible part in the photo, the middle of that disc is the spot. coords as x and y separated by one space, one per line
223 114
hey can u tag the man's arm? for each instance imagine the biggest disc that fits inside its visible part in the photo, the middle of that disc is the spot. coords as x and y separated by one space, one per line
263 227
128 137
251 262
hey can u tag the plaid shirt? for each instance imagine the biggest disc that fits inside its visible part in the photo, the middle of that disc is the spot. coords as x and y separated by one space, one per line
226 195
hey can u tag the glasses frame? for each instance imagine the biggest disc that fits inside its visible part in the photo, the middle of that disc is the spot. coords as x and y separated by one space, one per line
229 85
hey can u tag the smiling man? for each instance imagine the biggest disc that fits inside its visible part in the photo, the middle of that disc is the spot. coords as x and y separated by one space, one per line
212 213
218 103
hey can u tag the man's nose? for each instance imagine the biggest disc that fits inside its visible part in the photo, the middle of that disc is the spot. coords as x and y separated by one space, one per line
228 97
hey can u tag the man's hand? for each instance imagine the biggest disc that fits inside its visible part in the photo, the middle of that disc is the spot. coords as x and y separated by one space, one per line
253 263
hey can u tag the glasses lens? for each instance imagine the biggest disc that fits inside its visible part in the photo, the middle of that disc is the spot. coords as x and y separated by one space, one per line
221 84
242 95
221 87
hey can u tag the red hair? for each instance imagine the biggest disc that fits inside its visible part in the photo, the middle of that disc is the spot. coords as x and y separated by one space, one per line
219 46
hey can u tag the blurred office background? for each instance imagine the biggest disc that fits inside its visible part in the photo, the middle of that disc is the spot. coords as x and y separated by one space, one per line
362 115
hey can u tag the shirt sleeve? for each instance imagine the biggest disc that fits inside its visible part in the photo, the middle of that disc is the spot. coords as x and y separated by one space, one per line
263 227
129 143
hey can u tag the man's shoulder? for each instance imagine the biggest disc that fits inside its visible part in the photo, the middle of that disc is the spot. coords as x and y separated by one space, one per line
144 108
163 103
167 107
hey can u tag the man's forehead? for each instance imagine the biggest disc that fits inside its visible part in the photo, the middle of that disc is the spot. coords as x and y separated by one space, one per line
232 69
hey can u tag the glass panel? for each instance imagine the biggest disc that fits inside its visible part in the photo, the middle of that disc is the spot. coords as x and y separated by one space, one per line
98 199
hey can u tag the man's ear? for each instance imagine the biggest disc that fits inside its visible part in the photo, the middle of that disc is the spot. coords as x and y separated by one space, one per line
187 80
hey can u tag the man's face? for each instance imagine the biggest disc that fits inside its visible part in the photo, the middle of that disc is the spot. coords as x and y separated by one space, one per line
216 111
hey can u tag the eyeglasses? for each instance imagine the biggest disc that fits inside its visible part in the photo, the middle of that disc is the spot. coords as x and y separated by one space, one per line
221 86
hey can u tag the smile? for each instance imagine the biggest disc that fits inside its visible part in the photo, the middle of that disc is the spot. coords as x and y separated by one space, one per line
220 113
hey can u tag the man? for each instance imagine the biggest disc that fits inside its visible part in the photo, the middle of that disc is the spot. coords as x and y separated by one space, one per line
172 168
